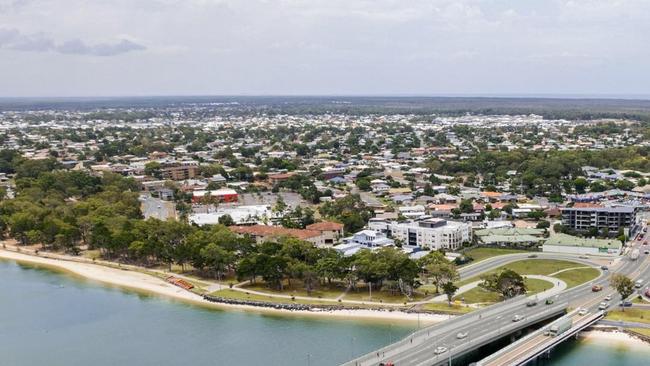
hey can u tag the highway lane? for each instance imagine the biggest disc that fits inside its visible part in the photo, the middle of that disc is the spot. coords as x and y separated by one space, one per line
635 269
419 348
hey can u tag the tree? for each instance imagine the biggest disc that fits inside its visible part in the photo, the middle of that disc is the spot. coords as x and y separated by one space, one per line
363 184
580 184
226 220
439 269
507 283
449 289
623 285
544 224
153 169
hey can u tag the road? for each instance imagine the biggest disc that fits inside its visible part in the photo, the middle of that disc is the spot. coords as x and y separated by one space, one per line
497 320
585 299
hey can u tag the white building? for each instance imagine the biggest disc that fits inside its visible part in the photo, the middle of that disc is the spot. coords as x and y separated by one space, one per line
241 215
432 234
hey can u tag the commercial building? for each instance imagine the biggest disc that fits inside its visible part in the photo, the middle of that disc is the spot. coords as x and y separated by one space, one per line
430 234
222 195
610 218
563 243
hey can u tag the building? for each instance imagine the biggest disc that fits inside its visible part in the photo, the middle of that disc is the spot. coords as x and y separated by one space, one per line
430 234
610 218
222 195
365 239
509 236
262 233
563 243
182 172
241 215
332 232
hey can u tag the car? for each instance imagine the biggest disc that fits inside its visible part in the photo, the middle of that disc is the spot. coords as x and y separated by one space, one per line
603 305
517 318
531 302
608 298
440 350
549 301
604 268
461 335
626 303
596 288
583 311
646 252
583 257
532 256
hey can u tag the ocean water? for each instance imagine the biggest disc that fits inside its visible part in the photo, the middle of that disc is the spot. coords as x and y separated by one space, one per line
50 318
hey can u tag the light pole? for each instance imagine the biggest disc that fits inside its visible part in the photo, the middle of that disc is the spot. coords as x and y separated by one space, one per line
308 359
351 347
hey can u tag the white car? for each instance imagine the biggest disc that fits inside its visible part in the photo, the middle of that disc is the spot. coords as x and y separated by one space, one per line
440 350
461 335
582 312
608 298
603 305
517 318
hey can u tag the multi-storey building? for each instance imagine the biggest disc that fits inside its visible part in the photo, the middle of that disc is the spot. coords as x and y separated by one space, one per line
427 234
610 218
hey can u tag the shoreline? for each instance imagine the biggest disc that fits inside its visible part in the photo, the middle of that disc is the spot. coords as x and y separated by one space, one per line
608 335
148 284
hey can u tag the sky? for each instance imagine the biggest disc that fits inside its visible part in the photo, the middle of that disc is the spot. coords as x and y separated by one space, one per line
324 47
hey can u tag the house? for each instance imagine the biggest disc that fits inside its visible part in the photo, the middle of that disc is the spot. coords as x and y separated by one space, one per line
331 232
262 233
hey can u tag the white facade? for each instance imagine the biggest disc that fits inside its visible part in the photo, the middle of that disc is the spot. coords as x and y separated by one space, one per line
431 234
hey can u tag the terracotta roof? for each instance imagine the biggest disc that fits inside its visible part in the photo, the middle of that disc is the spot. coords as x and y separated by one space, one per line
325 226
264 230
491 194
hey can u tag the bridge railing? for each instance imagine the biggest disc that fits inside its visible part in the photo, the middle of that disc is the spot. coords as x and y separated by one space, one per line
475 342
427 332
511 347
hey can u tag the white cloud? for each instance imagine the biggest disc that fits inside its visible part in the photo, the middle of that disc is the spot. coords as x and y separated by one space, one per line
326 46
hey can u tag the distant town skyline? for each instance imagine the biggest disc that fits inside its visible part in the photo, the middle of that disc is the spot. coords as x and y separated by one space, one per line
551 48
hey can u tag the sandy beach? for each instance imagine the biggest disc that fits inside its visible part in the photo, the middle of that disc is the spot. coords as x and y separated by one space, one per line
136 281
614 337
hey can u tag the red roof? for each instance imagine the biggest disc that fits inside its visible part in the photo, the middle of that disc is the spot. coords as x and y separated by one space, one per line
325 226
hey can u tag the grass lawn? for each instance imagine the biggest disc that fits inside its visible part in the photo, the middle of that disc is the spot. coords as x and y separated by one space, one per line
629 315
528 266
578 276
484 253
297 288
535 286
239 295
644 331
361 294
478 295
444 307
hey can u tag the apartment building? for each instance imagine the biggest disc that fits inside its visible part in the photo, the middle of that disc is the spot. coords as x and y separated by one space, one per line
427 234
611 218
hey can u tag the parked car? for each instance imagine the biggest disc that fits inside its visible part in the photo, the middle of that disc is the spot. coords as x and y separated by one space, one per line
440 350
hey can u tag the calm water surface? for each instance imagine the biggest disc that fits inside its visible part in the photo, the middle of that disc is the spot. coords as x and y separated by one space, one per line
48 318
